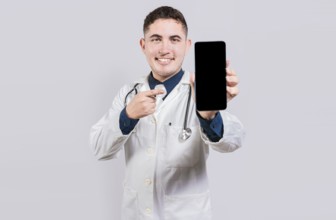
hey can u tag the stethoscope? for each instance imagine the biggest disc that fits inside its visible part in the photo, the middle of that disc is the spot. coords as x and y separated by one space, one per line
186 132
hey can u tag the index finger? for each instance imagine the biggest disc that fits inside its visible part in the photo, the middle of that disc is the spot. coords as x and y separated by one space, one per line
153 92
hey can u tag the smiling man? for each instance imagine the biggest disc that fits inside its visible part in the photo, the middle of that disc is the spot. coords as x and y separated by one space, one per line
166 176
165 45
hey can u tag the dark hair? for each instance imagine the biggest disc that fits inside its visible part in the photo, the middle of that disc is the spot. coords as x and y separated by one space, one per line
165 12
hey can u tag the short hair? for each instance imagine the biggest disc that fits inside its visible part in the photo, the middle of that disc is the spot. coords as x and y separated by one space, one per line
165 12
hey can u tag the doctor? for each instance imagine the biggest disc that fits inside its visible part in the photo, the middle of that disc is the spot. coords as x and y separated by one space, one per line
166 176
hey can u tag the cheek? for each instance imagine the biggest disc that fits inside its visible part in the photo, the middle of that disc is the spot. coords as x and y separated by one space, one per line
149 54
180 52
152 50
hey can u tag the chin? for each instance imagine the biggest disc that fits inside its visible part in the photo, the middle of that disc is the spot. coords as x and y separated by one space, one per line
166 73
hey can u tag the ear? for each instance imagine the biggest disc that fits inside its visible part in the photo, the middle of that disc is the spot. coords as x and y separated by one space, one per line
189 43
142 44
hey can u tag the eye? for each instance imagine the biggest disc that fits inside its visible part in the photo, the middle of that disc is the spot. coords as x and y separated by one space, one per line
156 39
175 39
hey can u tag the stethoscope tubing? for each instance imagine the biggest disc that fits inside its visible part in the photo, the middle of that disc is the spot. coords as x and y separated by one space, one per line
133 89
187 110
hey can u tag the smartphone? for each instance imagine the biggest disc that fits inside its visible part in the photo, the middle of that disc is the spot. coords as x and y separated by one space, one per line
210 75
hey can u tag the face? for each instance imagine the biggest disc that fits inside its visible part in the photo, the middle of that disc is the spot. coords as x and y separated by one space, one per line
165 44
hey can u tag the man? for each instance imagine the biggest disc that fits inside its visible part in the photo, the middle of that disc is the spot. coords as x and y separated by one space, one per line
165 175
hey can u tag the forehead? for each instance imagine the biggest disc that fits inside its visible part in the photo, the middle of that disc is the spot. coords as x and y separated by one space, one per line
166 27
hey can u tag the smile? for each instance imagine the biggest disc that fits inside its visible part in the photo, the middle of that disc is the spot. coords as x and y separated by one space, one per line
164 60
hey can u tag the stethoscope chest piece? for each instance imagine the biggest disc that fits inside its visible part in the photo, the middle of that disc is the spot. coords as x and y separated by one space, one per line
185 134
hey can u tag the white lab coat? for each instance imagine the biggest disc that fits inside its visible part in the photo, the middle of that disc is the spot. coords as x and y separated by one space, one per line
165 178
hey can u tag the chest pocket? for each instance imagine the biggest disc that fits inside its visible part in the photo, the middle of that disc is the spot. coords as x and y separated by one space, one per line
181 154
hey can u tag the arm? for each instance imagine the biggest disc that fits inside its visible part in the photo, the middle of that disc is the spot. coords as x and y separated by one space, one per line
213 128
233 128
106 138
126 124
233 134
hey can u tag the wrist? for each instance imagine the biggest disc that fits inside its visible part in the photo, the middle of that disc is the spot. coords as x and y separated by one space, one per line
128 114
207 115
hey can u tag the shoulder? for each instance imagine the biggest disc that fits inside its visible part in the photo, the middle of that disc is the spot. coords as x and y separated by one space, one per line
126 88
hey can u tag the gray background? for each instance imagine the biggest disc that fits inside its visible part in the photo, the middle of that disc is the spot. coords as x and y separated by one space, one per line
62 62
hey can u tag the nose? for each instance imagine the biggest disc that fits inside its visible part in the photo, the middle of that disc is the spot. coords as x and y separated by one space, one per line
165 47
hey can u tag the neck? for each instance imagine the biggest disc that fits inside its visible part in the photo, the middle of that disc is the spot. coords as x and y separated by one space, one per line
162 78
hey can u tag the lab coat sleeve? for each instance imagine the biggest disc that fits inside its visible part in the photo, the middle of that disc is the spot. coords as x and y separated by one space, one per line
106 138
234 133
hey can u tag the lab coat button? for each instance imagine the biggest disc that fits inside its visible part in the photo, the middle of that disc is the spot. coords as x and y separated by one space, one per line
150 151
148 182
148 211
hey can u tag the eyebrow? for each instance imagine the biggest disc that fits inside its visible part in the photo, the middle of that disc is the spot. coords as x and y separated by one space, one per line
176 36
170 37
155 35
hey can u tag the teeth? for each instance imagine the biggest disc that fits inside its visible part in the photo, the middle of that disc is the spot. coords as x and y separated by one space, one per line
164 60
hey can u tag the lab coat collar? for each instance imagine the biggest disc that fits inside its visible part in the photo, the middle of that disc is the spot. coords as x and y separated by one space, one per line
185 79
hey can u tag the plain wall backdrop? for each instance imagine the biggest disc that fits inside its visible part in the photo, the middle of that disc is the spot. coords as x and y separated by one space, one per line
62 62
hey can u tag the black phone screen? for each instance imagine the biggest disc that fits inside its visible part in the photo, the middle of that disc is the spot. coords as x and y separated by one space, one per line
210 75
